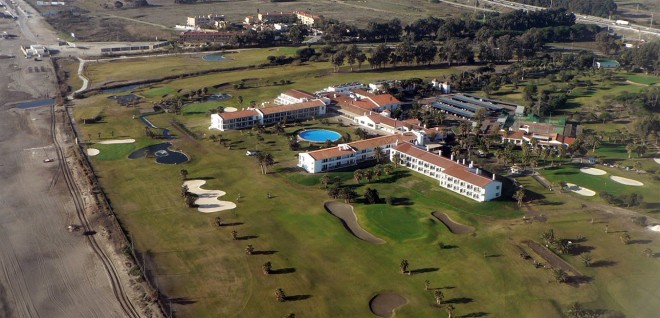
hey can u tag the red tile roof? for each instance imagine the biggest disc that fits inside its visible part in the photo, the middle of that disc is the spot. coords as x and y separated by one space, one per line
360 145
239 114
380 99
451 168
286 108
295 93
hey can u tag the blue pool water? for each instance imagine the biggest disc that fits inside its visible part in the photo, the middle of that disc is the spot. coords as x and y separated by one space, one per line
319 135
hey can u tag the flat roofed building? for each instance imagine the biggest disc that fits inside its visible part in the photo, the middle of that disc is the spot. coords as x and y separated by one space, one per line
304 110
207 37
464 180
277 17
350 154
235 120
294 96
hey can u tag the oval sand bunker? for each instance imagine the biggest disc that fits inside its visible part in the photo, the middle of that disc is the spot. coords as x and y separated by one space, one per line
345 213
627 181
593 171
580 190
384 304
92 152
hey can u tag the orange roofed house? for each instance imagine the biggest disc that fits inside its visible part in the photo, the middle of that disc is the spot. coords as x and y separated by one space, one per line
268 115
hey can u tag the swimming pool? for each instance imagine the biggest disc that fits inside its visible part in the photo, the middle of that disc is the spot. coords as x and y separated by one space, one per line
319 135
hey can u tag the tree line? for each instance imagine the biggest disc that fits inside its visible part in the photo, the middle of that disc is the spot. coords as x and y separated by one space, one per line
600 8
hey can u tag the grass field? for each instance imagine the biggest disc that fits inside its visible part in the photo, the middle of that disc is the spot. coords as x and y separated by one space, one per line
333 274
642 79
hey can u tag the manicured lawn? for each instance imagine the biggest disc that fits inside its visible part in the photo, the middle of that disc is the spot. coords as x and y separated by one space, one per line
119 151
158 92
201 108
199 263
642 79
612 151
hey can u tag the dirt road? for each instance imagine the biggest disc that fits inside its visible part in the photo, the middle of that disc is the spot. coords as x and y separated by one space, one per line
45 271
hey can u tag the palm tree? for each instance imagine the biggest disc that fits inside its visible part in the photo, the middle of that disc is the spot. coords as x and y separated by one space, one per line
190 200
450 310
625 238
548 237
648 252
184 174
378 171
369 175
325 180
249 250
279 294
519 196
586 259
561 154
347 194
630 148
533 165
234 235
396 159
378 154
388 169
184 190
358 175
575 310
560 275
217 221
267 268
404 266
439 296
427 284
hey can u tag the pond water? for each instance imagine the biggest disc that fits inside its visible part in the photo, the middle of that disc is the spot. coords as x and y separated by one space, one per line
36 103
119 89
215 57
161 152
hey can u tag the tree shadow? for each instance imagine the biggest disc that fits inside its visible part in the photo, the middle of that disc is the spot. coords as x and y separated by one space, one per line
449 247
203 178
264 252
475 315
182 301
297 297
640 242
578 279
401 201
603 263
493 255
232 224
579 249
424 270
287 270
246 237
89 233
459 300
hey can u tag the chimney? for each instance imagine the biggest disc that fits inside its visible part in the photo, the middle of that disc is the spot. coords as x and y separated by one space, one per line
440 153
452 156
493 176
471 164
477 172
463 161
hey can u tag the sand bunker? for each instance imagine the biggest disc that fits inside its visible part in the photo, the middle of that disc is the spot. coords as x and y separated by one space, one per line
654 228
117 141
383 305
627 181
453 227
92 152
593 171
230 109
208 199
657 160
345 213
580 190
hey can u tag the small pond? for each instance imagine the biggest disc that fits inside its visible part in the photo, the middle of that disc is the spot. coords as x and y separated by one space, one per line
161 152
125 100
36 103
215 57
219 96
119 89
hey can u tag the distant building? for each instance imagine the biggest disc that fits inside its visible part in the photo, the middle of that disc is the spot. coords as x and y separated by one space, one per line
443 87
344 88
203 21
543 139
36 50
277 17
306 18
207 37
294 96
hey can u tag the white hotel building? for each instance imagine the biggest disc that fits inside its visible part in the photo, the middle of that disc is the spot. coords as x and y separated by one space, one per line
350 154
464 180
248 118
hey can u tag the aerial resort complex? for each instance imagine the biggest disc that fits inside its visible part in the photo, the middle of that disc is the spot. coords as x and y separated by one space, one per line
339 159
